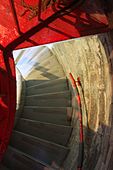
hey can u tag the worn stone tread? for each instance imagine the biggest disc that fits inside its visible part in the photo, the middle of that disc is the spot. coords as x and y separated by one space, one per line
59 134
42 150
18 160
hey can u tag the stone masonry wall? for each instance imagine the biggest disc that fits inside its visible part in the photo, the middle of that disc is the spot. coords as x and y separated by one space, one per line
91 59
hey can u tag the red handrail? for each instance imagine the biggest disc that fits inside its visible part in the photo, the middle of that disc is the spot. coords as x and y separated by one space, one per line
81 144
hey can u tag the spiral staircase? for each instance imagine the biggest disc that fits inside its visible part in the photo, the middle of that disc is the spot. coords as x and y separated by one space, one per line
43 129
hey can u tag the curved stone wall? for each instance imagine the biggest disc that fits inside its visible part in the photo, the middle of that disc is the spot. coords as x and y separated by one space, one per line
20 90
88 58
91 59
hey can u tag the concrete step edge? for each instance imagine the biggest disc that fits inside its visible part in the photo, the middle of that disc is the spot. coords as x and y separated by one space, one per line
61 120
47 89
30 157
47 94
44 60
56 67
46 123
47 70
28 84
42 140
45 107
46 63
50 81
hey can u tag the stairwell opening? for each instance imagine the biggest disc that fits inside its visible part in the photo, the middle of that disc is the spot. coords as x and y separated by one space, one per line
49 111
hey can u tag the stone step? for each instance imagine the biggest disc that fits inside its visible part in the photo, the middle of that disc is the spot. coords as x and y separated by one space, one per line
57 115
58 99
59 134
42 55
44 74
18 160
36 58
39 149
49 87
47 63
43 79
61 80
2 167
33 82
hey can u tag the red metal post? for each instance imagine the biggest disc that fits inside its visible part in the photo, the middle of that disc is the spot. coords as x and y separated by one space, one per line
7 100
39 10
15 15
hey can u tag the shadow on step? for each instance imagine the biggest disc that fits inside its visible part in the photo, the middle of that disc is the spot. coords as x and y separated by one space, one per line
54 82
49 69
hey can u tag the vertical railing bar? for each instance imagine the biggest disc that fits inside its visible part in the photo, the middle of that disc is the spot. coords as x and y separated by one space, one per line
39 10
15 15
81 133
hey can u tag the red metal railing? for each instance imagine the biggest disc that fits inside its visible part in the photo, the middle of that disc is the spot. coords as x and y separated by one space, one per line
30 23
81 144
39 8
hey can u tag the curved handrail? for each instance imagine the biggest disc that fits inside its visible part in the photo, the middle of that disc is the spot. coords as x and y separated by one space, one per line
81 144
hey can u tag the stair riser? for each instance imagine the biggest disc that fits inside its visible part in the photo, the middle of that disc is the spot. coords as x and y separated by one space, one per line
41 61
41 56
48 110
16 161
56 115
45 83
31 82
60 119
47 96
49 89
50 132
42 78
58 82
40 150
48 63
42 70
45 75
49 100
49 103
47 55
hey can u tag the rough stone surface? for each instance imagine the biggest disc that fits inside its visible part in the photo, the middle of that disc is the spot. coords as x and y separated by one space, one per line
91 59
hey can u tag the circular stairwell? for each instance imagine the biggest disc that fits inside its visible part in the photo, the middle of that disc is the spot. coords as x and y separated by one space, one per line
41 135
95 69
